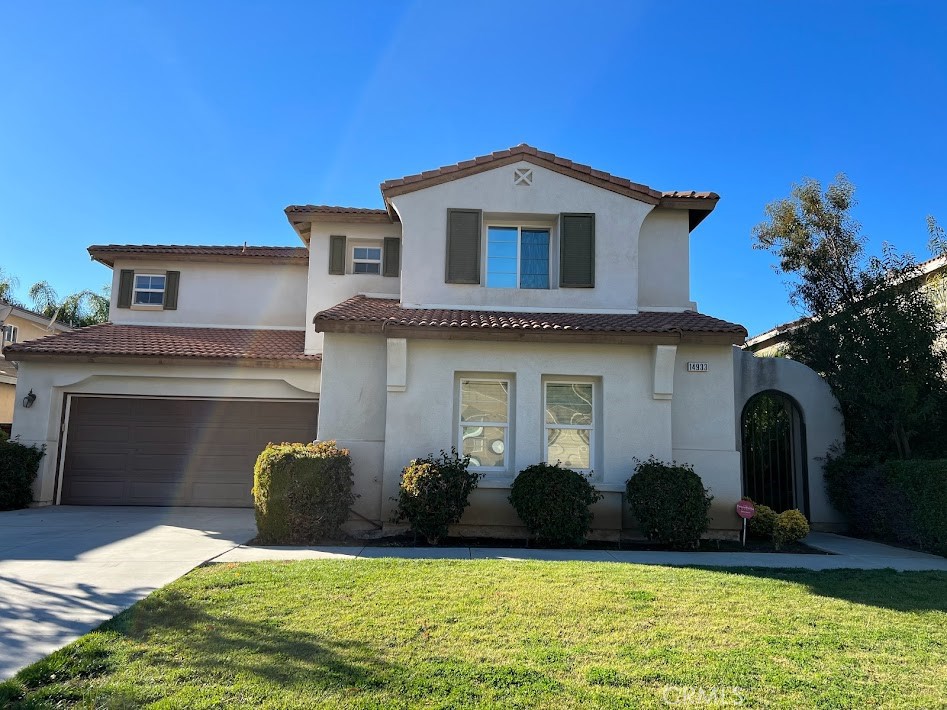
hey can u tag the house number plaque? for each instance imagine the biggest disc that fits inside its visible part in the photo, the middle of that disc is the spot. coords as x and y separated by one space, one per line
698 367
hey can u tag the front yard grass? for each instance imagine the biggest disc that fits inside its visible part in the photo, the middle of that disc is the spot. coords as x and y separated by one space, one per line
395 633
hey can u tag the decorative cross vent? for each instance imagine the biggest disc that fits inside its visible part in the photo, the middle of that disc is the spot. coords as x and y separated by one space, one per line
523 176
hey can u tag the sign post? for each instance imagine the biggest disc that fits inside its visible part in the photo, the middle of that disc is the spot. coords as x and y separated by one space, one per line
746 511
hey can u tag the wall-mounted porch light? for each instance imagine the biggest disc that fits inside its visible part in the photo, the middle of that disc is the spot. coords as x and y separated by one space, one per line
29 399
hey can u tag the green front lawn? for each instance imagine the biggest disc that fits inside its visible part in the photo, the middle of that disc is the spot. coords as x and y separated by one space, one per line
389 634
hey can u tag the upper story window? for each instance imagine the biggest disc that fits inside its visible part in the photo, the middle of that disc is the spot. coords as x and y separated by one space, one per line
380 257
366 260
517 257
149 290
8 335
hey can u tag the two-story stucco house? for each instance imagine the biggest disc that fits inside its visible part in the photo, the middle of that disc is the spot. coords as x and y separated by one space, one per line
518 306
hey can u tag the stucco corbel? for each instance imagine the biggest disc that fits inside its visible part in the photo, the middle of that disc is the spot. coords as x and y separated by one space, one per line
664 358
397 364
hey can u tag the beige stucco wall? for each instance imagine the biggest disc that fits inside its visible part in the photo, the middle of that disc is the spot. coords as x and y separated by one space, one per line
388 429
7 402
258 295
52 382
326 290
617 222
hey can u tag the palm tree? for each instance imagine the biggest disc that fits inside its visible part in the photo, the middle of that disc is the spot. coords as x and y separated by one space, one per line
79 309
8 284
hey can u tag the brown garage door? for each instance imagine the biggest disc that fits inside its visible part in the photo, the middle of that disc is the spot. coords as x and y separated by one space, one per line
127 451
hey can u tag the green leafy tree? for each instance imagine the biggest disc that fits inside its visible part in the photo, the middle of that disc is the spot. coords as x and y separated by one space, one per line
872 333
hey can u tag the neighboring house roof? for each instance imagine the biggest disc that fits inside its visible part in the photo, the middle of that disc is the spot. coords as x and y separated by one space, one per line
34 317
108 253
362 314
777 335
698 204
109 342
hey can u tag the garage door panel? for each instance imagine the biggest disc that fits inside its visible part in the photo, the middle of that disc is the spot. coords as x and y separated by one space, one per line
92 491
128 451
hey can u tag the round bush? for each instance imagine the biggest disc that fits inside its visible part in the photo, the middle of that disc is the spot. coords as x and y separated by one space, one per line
761 524
434 493
791 526
670 502
302 492
553 502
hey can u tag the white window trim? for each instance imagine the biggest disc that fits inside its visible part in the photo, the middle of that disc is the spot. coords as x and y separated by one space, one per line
507 426
136 291
14 333
584 427
519 226
379 260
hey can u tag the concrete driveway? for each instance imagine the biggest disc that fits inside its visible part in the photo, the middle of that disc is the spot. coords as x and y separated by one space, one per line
66 569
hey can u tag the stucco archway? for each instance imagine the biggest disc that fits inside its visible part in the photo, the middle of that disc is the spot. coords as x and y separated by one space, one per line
822 425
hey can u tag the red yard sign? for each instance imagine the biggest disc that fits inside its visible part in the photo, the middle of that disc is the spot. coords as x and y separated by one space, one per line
745 509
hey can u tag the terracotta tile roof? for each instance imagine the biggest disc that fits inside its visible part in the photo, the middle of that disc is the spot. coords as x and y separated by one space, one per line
363 314
301 215
334 209
167 342
586 173
107 253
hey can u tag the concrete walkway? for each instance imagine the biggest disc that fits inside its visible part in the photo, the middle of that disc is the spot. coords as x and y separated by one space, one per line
847 553
65 570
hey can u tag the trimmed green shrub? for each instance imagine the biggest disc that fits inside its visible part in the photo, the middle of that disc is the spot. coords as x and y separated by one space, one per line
434 493
302 492
553 502
898 501
19 464
791 526
921 488
761 524
670 502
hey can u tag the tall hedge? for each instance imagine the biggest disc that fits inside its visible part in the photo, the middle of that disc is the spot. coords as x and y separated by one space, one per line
302 492
19 464
900 501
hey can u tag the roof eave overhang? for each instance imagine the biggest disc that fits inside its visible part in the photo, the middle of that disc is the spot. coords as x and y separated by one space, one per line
527 335
698 207
439 177
114 359
301 221
109 258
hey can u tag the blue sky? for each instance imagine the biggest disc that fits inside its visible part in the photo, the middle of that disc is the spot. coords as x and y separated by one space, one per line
183 122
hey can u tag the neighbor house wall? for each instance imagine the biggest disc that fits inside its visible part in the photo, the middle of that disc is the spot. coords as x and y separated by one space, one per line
222 294
617 222
52 381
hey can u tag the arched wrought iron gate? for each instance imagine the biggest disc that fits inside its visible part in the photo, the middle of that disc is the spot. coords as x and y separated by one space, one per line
773 453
